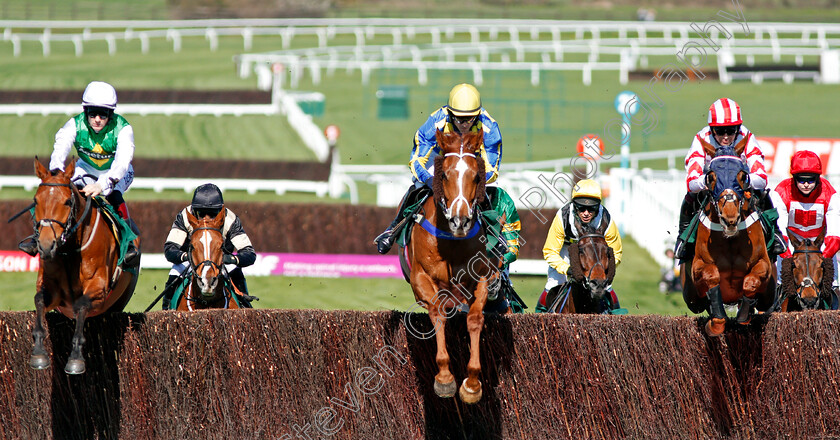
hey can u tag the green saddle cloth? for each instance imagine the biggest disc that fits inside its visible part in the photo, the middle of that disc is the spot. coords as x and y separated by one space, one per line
123 231
768 219
186 280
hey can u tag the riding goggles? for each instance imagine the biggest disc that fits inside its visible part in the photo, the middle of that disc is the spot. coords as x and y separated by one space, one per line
727 130
587 208
102 112
464 119
206 212
807 178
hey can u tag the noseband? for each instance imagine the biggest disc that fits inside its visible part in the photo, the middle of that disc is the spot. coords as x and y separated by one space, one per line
70 225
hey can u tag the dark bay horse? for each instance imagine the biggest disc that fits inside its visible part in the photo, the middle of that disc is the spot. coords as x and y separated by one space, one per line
449 267
209 286
79 273
591 272
730 264
806 276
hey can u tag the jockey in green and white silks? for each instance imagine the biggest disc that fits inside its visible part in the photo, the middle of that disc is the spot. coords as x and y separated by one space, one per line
104 141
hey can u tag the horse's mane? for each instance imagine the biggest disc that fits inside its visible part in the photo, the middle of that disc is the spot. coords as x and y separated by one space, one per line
788 283
826 286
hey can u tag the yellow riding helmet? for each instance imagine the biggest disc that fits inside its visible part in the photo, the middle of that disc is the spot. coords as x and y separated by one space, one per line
587 192
464 100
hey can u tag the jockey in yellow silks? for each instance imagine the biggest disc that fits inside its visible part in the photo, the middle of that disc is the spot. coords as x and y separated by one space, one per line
463 113
587 207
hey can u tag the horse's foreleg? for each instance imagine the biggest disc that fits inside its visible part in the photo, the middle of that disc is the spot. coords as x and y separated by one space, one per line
717 315
39 359
753 286
76 362
470 391
444 380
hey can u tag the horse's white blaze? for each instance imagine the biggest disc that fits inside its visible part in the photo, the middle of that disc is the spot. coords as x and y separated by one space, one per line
461 167
205 240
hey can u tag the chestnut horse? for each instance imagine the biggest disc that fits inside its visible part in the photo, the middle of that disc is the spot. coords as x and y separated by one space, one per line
730 264
209 286
806 276
449 267
79 273
591 272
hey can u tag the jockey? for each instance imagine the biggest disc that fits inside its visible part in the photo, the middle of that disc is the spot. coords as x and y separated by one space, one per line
586 206
501 202
808 205
104 141
207 201
725 129
462 114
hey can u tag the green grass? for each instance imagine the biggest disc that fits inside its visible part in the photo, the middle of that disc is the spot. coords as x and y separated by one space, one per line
635 283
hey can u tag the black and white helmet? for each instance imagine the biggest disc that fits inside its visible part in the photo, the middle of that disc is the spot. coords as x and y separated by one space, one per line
207 200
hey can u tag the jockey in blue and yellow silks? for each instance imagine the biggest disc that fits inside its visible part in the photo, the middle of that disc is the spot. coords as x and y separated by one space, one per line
104 141
462 113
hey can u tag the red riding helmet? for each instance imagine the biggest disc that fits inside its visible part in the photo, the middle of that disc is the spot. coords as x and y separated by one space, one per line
805 162
724 112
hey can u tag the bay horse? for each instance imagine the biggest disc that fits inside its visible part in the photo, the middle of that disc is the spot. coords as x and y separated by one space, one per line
209 286
591 272
79 272
449 270
730 264
806 277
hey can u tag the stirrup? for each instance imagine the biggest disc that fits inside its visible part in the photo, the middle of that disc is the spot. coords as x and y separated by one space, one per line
383 241
29 246
131 255
679 249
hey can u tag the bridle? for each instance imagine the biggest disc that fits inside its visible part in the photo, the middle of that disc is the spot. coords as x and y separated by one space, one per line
587 278
71 224
460 167
219 268
807 281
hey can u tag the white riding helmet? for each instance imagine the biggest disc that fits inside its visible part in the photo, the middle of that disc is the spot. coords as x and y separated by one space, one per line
99 94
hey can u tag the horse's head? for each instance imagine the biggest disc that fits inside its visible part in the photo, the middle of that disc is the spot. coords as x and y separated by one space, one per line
56 203
727 181
459 179
807 270
591 260
206 252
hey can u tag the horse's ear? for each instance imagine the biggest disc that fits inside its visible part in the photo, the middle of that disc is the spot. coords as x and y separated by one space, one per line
795 242
70 169
739 147
819 240
475 139
439 138
220 217
711 180
707 147
40 170
602 228
742 180
191 219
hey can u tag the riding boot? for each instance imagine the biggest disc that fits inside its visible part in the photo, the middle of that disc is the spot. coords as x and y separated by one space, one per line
386 239
238 280
29 245
541 306
168 291
687 210
131 254
745 310
716 309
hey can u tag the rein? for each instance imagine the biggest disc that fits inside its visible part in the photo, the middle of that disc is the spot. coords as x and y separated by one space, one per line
71 224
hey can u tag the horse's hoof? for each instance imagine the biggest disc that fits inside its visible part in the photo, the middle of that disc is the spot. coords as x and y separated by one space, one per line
74 367
715 326
445 390
39 361
467 395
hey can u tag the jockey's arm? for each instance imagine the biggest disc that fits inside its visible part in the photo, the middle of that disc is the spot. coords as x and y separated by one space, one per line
512 227
832 216
64 139
245 253
492 151
554 244
173 248
122 160
695 162
782 209
424 144
755 162
614 241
